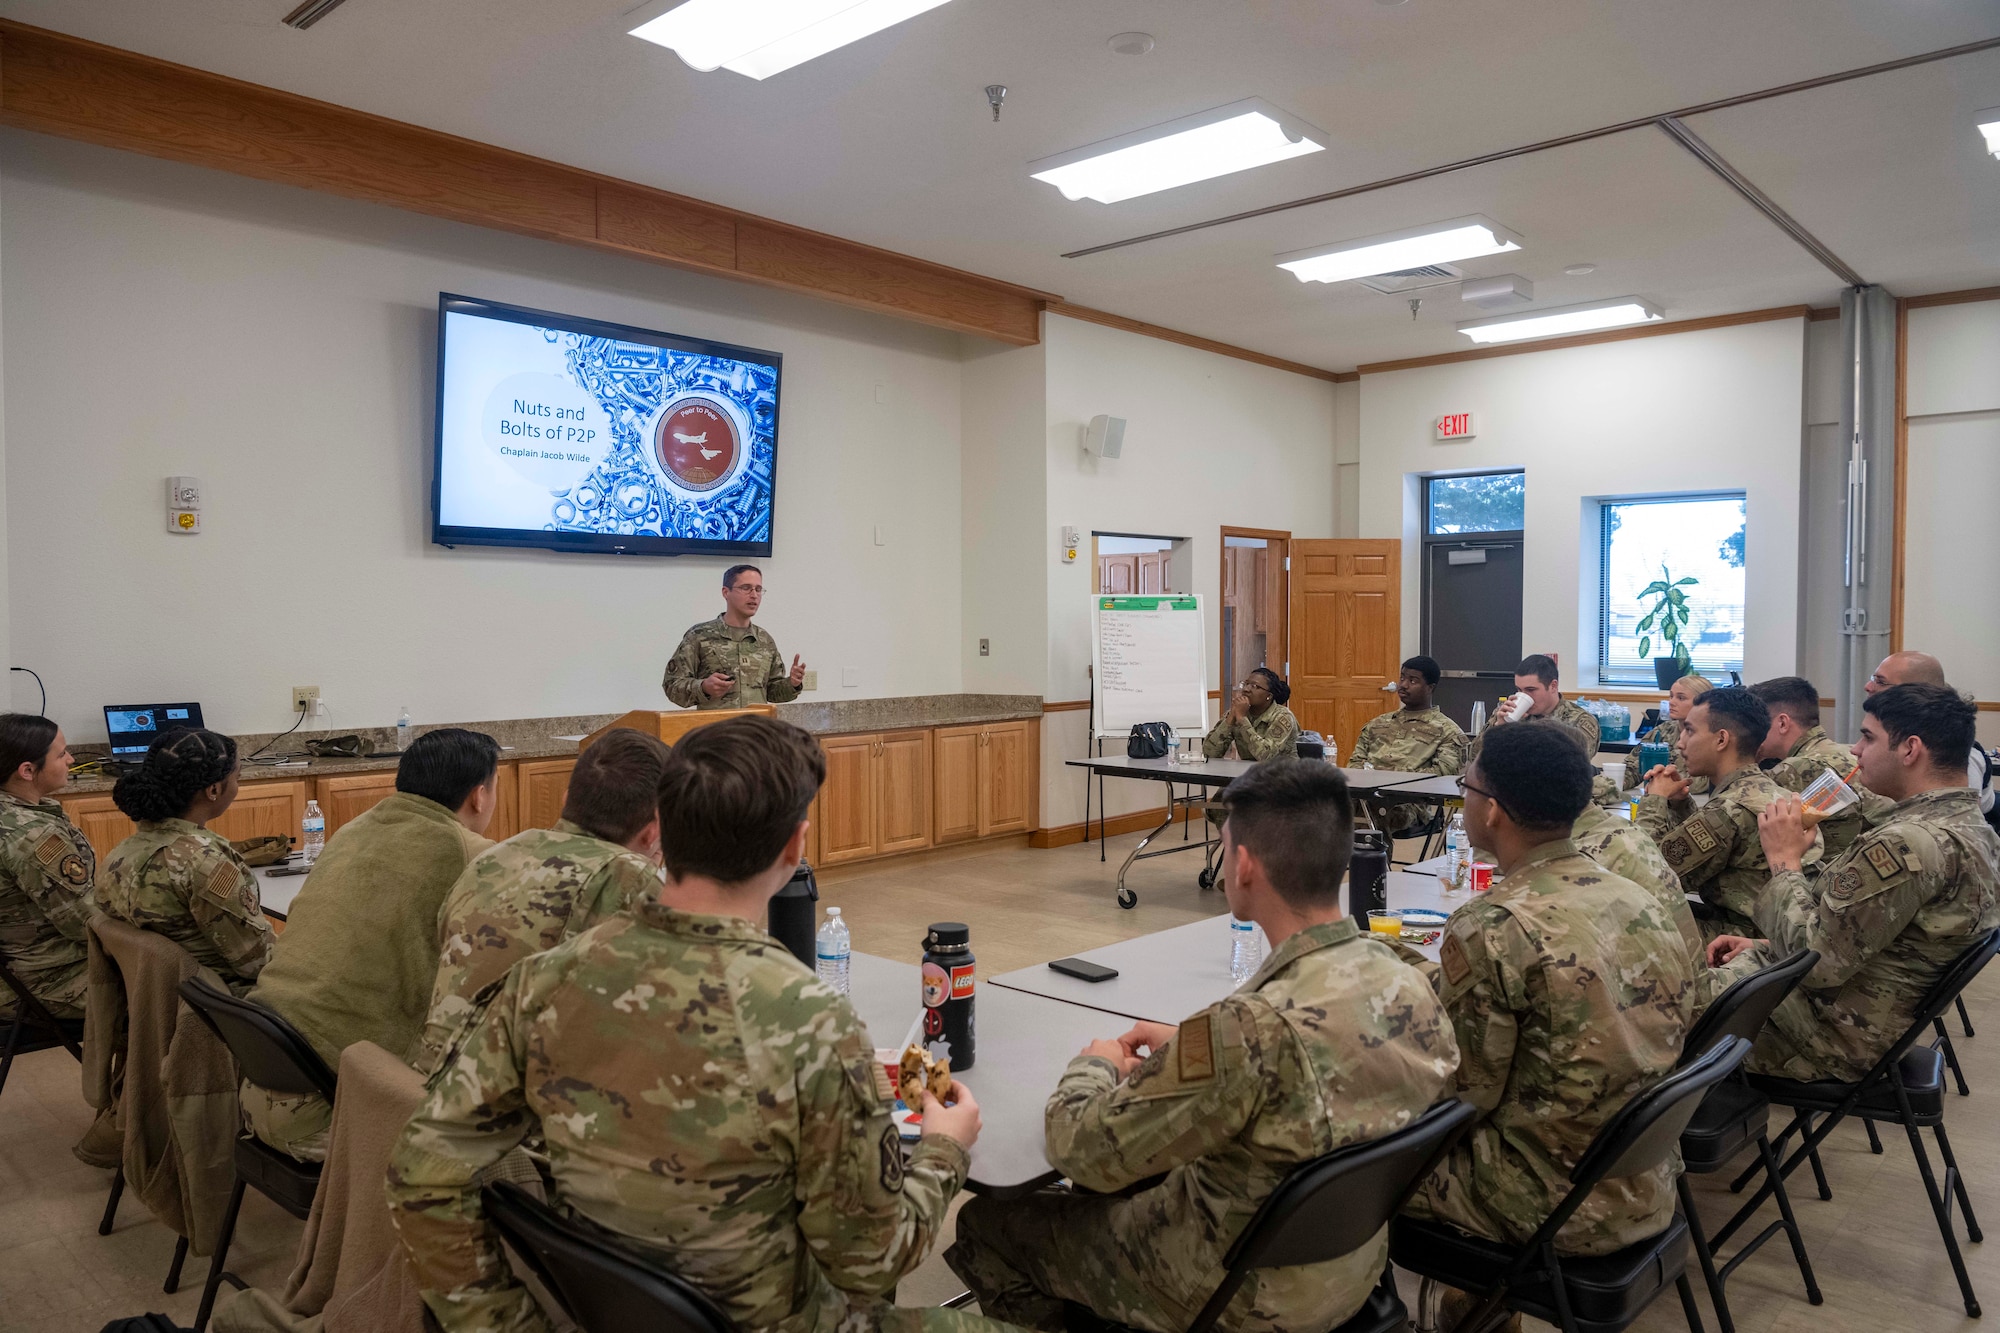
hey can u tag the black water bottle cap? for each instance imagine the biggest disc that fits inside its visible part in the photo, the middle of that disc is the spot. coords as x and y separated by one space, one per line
948 934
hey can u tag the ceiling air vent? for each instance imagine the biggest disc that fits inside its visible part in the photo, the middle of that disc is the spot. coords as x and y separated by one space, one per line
1413 279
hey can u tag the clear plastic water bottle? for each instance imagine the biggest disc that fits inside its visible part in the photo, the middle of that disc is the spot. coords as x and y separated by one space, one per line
1173 747
312 834
403 732
832 951
1454 848
1246 950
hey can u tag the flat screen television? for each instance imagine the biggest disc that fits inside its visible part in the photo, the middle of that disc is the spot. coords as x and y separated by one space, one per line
576 435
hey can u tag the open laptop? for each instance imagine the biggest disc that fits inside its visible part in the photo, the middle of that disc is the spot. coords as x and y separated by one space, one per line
133 726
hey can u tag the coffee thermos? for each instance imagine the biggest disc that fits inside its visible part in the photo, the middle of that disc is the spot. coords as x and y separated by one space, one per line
949 974
793 916
1367 876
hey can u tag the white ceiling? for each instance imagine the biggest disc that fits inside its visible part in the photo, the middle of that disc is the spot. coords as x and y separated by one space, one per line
890 141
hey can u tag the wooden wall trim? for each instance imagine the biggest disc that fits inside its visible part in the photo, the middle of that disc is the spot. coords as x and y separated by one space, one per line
1819 314
1952 298
1592 339
1066 706
1901 500
64 86
1064 835
1138 326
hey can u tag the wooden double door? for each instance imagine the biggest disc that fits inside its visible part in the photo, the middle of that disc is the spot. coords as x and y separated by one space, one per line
1346 625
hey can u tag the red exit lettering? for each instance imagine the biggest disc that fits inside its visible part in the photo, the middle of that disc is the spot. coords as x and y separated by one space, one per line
1455 426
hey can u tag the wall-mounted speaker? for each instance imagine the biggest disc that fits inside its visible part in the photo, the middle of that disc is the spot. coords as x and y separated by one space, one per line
1104 437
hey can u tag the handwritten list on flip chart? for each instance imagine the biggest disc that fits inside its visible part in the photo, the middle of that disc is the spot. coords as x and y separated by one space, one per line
1150 657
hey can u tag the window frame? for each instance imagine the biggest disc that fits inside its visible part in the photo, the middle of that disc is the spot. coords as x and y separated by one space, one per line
1429 478
1607 673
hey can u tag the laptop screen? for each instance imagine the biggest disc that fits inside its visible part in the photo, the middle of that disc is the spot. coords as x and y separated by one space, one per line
133 726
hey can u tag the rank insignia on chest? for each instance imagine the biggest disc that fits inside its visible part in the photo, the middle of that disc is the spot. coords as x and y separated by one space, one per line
1884 859
1194 1050
1701 836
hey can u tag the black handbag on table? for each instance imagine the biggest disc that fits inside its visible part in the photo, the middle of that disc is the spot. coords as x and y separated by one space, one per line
1148 741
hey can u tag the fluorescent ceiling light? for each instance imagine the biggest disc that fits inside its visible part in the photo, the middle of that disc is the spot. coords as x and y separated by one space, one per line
1613 314
1989 125
759 38
1437 243
1200 147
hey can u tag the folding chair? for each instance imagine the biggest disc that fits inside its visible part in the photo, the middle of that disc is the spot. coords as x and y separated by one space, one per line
272 1054
599 1280
1906 1087
47 1030
1735 1116
1581 1293
1326 1208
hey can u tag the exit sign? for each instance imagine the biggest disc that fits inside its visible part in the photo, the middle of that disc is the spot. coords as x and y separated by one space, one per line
1456 426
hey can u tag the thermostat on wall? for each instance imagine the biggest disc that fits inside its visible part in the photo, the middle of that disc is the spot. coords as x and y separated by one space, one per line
184 505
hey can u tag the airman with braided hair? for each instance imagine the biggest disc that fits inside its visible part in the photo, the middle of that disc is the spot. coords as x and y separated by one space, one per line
1256 722
175 876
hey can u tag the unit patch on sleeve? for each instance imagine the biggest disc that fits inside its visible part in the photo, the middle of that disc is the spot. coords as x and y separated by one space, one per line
1194 1049
1701 835
1451 956
1884 859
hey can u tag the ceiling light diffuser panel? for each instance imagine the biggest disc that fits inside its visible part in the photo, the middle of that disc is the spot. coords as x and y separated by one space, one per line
1250 133
1616 313
759 38
1436 243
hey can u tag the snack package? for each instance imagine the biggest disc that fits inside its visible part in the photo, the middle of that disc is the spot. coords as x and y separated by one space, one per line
1825 796
920 1070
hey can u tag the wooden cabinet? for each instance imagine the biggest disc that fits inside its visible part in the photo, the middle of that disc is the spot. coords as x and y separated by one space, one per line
544 786
348 796
262 809
985 780
507 812
104 825
877 796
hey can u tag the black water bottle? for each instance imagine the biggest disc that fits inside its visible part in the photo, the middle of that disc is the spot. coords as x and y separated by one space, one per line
949 974
793 916
1367 877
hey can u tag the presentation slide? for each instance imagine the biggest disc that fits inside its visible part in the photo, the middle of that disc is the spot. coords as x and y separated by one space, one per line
569 434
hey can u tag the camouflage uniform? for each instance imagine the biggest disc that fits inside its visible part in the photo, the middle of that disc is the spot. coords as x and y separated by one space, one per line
1274 731
1570 992
1816 753
1715 848
185 882
1581 724
1625 849
521 897
1333 1042
46 868
749 654
1410 740
1887 917
703 1095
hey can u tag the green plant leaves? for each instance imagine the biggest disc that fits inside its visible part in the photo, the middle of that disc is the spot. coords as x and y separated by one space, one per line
1645 642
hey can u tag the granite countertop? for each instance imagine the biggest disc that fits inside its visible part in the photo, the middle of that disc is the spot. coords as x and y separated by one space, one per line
555 737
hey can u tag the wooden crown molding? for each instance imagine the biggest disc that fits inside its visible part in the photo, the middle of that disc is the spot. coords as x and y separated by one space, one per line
1964 297
60 85
1111 321
1821 313
1592 339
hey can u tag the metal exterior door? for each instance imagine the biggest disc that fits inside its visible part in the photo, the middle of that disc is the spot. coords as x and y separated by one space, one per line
1472 620
1346 609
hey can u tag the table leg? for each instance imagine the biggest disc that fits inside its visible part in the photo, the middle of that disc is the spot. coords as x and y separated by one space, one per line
1127 898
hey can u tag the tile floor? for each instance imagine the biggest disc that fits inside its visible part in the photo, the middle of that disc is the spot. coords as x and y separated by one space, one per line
1874 1245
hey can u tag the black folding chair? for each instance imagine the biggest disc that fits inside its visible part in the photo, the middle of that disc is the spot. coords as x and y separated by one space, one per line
1326 1208
600 1281
1581 1293
1906 1087
271 1053
1734 1116
31 1027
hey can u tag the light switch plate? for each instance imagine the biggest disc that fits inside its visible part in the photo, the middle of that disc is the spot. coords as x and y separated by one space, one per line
811 681
850 677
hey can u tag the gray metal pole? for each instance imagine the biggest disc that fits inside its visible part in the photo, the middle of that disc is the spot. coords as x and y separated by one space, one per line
1868 417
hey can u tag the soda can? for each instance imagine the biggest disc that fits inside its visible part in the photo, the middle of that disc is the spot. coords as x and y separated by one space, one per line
1479 877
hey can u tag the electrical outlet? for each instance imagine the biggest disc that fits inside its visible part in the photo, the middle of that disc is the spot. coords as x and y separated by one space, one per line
986 648
305 699
811 680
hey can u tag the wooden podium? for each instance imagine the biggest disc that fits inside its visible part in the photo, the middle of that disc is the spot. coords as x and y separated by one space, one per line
671 725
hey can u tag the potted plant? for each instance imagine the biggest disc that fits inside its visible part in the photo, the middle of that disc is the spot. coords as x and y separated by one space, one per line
1669 616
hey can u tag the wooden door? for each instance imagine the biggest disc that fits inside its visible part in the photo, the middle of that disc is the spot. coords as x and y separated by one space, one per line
955 789
348 796
103 824
262 809
1117 573
1006 778
1345 629
902 791
847 799
1152 576
507 807
544 786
